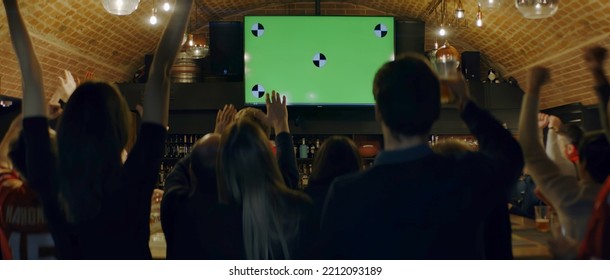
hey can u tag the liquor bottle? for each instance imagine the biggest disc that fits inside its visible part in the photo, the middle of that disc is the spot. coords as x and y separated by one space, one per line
303 149
184 145
305 177
162 174
312 150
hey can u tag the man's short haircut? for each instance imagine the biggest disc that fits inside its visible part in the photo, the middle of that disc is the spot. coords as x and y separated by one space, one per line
594 150
407 94
572 132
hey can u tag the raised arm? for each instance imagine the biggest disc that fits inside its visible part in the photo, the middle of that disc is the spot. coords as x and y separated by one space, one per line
277 115
499 152
554 150
34 101
528 121
156 92
557 188
594 59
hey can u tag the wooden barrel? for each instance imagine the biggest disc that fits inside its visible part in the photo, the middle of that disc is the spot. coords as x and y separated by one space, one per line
185 70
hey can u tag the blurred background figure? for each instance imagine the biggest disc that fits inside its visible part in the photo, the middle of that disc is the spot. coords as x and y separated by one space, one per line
337 156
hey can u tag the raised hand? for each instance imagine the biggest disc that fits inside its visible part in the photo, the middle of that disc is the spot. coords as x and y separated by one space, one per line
543 120
277 113
68 84
89 75
224 117
554 122
595 56
538 77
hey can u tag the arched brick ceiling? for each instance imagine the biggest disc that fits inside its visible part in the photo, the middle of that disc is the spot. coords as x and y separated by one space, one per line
81 36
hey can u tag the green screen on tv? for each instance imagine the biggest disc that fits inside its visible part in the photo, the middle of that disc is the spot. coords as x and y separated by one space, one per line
315 60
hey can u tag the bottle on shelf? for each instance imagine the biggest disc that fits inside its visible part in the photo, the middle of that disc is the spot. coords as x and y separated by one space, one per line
312 150
303 149
305 177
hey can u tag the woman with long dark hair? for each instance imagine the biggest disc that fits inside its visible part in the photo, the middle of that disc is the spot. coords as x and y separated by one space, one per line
97 206
336 157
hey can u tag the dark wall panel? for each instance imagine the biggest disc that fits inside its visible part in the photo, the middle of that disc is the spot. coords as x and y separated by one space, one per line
409 36
227 49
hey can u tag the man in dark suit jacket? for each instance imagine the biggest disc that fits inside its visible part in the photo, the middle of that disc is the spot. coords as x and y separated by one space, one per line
414 204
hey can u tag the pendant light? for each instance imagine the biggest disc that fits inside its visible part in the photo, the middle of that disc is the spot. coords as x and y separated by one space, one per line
459 10
120 7
195 50
479 19
537 9
166 6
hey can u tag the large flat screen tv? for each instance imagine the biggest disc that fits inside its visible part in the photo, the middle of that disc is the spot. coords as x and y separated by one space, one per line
315 60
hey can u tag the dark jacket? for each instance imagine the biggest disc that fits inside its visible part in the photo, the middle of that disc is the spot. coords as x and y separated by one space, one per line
414 204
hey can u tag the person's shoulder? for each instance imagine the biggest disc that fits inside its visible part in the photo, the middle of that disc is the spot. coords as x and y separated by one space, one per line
175 193
297 197
354 182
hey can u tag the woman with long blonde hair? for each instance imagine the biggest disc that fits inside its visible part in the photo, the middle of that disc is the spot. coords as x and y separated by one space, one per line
277 222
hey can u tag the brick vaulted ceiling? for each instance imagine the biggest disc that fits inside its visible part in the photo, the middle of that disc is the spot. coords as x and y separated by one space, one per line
79 35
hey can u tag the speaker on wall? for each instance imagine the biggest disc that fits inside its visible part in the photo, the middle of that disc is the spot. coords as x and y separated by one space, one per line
409 36
227 49
471 65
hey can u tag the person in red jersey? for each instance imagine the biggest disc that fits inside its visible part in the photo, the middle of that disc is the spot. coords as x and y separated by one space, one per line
23 229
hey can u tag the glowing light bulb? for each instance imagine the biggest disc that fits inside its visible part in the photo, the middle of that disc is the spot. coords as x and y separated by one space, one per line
459 10
459 13
191 40
166 6
153 17
479 17
442 31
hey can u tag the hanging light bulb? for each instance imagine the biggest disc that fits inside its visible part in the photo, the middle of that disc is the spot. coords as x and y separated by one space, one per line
459 11
536 9
442 32
153 17
191 42
490 4
166 6
479 17
120 7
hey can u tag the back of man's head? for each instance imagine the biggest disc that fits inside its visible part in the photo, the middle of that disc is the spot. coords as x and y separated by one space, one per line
203 163
594 152
572 133
407 94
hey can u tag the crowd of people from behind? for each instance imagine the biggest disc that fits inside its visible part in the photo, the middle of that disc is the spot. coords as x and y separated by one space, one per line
88 185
